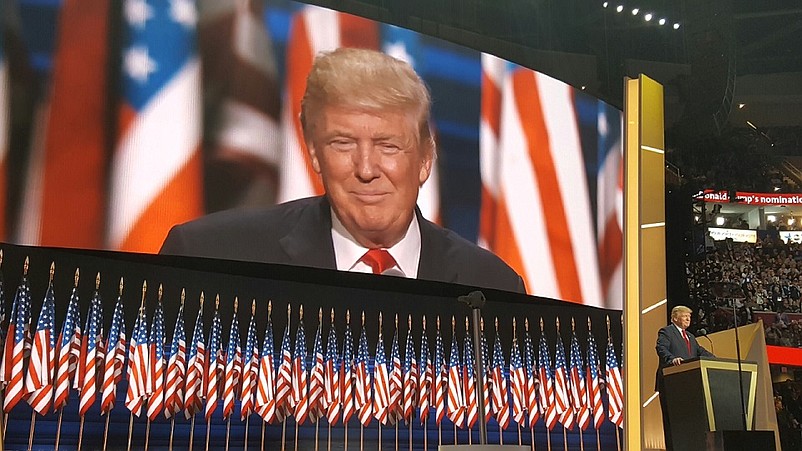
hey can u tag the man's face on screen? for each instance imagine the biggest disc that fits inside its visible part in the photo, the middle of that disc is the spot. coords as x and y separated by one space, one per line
372 167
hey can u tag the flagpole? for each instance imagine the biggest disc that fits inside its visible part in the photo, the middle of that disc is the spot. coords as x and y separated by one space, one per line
147 435
130 429
455 433
317 434
532 436
380 433
81 434
33 425
500 435
361 436
247 422
228 430
565 439
396 436
410 429
296 431
191 432
328 438
262 441
58 428
581 440
345 444
283 434
617 439
106 431
426 435
520 443
208 429
598 442
172 430
548 438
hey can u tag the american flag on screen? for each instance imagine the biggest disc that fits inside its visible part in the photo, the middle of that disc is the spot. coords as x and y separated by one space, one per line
531 154
469 381
5 108
396 403
137 364
3 318
176 367
67 164
156 171
39 378
317 376
548 406
562 386
518 388
196 367
233 368
215 365
265 404
250 370
610 204
347 373
498 381
156 364
381 382
300 376
456 396
532 381
440 378
16 345
68 351
578 392
425 376
284 377
615 387
115 357
362 384
314 30
594 383
410 381
333 385
92 354
239 66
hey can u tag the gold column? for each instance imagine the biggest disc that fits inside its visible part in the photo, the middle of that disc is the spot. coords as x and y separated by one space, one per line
644 259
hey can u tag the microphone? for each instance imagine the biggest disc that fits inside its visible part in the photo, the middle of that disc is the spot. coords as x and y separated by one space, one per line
703 333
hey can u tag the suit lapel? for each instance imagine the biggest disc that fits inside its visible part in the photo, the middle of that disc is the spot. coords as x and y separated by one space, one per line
435 253
308 243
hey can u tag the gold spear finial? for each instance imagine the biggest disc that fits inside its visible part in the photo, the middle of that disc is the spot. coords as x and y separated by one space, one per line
589 324
409 321
558 324
97 280
526 324
380 324
496 324
541 325
236 304
396 321
573 325
347 316
608 324
77 276
253 307
269 308
514 326
144 291
25 266
161 292
183 296
467 326
217 302
332 316
202 298
1 257
289 311
424 323
438 322
301 313
363 318
453 325
482 324
320 315
52 271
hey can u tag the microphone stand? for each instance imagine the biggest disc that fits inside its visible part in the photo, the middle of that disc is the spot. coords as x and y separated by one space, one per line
476 300
740 371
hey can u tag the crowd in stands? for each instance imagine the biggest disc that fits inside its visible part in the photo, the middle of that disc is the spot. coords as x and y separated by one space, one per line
788 406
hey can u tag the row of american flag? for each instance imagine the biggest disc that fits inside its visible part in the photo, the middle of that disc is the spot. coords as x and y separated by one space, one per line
337 379
545 157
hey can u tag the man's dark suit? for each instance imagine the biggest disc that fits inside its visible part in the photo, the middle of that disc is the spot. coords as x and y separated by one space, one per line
299 233
670 345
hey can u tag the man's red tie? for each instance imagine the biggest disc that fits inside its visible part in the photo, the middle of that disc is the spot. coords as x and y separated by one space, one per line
379 260
687 341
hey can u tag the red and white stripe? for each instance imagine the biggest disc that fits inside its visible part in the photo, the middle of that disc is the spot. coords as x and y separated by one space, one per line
317 406
471 408
65 371
381 392
579 397
615 396
156 374
112 373
67 166
39 380
300 386
250 374
13 374
284 386
548 407
347 390
595 399
565 414
410 391
532 407
610 218
439 393
531 155
174 387
265 404
214 372
193 388
456 397
425 389
332 392
362 387
137 374
500 394
241 65
519 393
395 405
89 362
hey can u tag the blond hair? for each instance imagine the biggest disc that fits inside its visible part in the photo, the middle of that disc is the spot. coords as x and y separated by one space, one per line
366 80
676 311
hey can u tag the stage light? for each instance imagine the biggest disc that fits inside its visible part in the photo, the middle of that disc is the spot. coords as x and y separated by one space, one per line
696 218
741 106
749 123
720 221
605 4
791 221
647 17
662 21
583 87
776 188
771 218
635 11
619 8
676 26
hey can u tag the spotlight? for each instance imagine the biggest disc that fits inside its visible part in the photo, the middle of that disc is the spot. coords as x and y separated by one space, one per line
720 221
791 221
619 8
662 21
635 11
583 87
771 218
776 188
647 17
676 26
741 106
605 4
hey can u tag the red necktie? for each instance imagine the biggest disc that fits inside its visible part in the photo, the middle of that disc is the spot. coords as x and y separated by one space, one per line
687 341
379 260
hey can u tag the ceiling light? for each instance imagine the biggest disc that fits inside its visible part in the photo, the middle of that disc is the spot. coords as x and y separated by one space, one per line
662 21
676 25
605 4
720 221
771 218
635 11
741 105
647 17
619 8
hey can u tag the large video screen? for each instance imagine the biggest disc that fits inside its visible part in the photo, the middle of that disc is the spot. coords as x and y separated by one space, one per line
126 127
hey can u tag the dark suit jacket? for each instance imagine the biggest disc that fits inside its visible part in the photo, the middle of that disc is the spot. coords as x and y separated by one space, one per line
299 233
671 345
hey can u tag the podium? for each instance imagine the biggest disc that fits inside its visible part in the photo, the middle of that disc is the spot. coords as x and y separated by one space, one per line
703 402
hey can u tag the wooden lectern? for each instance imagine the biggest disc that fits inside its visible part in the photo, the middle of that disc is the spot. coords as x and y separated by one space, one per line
703 401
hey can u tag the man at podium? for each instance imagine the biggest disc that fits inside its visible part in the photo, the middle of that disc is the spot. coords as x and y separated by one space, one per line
675 345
